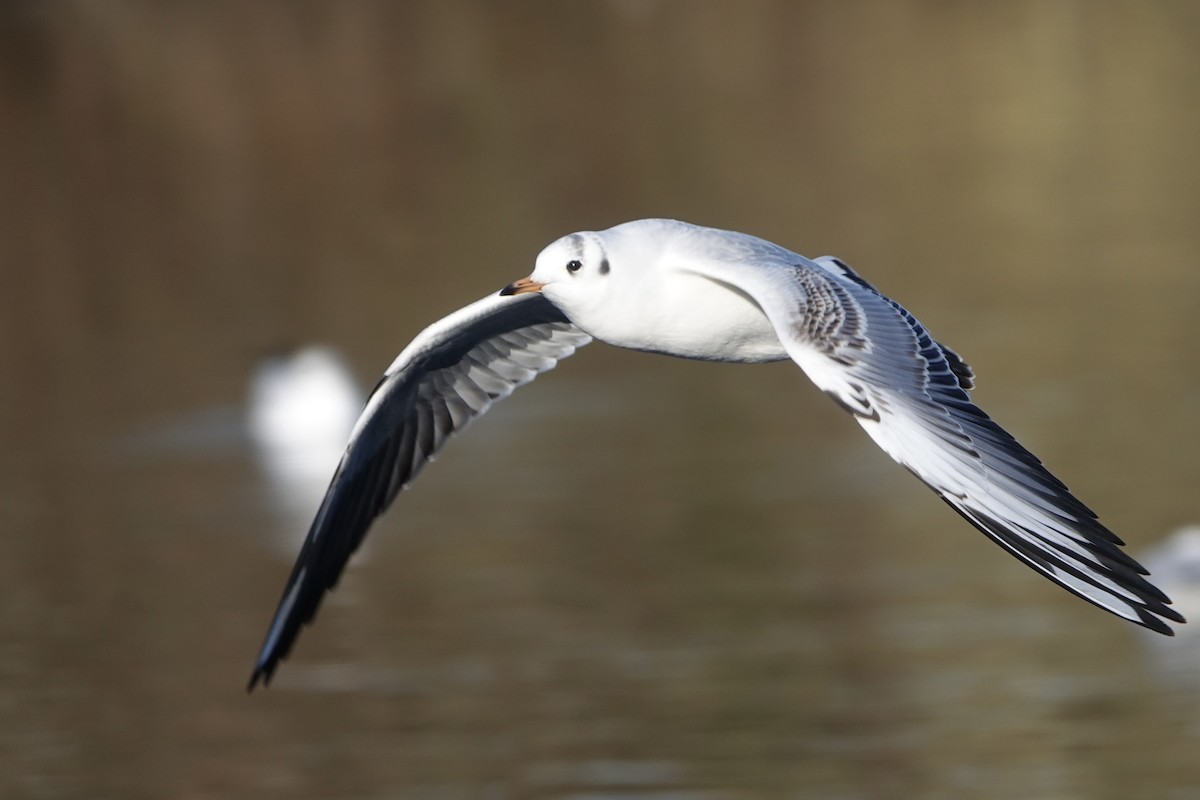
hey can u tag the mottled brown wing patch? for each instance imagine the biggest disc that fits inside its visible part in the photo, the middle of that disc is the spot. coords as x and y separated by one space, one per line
829 318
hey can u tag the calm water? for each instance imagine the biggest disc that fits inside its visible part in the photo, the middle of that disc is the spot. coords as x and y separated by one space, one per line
640 578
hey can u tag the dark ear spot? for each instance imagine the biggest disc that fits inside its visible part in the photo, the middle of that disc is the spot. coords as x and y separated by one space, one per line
604 266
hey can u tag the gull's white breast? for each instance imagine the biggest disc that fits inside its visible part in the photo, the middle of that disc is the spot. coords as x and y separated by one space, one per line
691 316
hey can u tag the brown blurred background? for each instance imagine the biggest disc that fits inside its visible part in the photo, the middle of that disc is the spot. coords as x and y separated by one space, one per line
640 577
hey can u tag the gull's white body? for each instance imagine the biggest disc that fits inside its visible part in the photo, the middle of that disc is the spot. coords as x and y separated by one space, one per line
676 306
683 290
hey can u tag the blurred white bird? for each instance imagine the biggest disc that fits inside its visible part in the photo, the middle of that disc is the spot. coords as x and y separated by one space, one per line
1175 563
302 407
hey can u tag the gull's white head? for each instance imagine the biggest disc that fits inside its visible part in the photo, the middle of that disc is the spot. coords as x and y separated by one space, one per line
576 273
582 271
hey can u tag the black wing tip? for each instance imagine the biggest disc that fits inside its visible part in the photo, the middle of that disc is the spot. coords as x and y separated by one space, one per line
278 645
1164 610
264 670
260 675
1152 619
1152 609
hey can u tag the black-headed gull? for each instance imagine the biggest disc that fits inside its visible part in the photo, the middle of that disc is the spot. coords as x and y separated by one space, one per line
670 287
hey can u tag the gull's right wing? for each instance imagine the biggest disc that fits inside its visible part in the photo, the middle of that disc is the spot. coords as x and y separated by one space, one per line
450 374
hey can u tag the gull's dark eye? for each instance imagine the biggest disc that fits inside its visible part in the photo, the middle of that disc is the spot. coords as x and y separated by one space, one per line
574 265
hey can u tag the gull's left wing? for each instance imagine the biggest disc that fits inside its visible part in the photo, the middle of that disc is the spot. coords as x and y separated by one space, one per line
450 374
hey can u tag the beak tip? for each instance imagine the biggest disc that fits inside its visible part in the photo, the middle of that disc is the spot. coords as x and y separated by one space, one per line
521 287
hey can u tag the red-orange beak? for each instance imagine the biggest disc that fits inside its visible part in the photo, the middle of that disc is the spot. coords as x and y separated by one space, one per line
521 287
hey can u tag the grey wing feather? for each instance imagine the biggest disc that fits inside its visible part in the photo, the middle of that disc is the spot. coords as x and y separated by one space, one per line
451 373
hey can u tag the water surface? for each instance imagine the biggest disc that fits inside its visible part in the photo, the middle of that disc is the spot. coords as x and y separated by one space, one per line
639 578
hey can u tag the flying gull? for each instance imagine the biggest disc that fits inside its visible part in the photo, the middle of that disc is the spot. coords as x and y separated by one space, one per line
683 290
